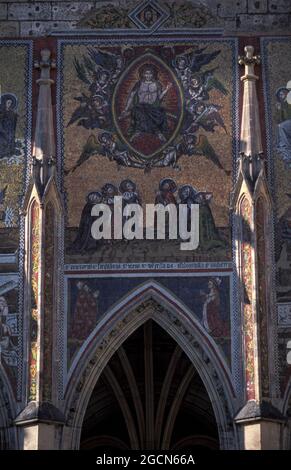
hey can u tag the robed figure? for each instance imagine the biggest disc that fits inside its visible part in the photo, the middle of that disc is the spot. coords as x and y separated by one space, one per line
213 317
284 123
209 238
8 121
84 241
144 105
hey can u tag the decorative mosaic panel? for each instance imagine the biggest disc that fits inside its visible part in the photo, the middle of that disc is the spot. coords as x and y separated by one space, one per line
49 298
151 121
15 144
248 318
277 78
149 16
278 98
14 135
34 307
90 298
263 313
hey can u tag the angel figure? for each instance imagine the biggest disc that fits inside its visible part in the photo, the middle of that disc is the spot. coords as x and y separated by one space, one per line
106 145
204 115
200 146
100 84
99 71
200 84
211 82
169 158
197 90
191 62
116 151
92 113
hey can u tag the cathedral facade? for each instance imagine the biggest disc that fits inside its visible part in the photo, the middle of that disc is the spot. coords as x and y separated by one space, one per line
133 343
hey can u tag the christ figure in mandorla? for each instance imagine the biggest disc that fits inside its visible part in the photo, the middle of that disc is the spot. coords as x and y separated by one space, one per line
144 105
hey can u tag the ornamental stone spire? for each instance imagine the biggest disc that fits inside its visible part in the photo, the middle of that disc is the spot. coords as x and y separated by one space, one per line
251 140
41 419
258 417
44 149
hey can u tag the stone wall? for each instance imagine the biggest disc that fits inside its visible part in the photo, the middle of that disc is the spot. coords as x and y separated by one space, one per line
42 17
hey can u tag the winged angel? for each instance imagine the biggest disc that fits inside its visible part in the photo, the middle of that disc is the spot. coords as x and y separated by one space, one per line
107 146
200 113
100 71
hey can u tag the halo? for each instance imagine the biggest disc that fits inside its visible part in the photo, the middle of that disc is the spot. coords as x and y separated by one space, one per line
184 187
93 194
282 88
148 66
107 186
122 188
172 184
9 96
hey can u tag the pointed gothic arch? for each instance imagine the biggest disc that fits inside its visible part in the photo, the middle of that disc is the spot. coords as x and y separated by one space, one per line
286 410
8 434
150 302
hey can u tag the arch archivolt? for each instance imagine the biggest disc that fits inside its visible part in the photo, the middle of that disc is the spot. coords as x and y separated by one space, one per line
155 303
286 410
8 434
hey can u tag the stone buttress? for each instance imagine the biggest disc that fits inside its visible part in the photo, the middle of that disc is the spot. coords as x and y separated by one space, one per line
43 210
259 418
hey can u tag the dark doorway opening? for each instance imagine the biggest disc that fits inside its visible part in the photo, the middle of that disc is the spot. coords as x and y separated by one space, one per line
149 396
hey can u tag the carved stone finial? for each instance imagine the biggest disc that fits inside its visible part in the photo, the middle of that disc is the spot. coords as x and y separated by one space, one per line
45 61
44 138
45 64
251 141
249 58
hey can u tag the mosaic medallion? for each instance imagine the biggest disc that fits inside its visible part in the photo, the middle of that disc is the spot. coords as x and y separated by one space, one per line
147 106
